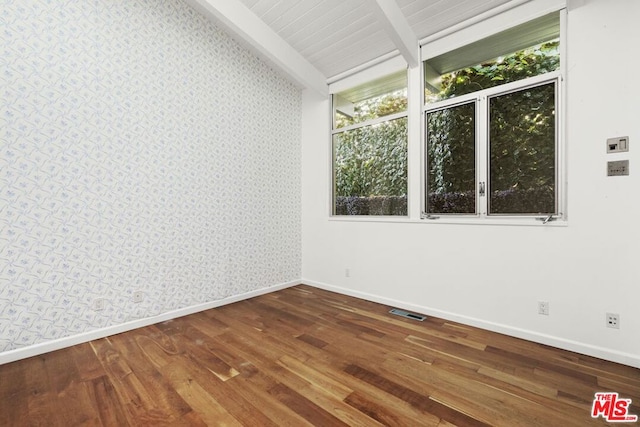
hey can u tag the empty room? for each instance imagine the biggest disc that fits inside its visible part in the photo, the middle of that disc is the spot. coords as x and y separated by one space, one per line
319 212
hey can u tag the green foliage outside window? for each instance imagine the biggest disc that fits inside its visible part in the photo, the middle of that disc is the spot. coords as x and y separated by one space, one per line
521 138
520 65
370 162
522 151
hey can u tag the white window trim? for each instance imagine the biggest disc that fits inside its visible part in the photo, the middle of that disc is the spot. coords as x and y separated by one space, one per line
449 220
471 32
370 122
437 44
482 171
442 43
395 64
389 66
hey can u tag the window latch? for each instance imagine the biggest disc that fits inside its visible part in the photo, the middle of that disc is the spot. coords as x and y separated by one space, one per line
481 189
425 215
546 219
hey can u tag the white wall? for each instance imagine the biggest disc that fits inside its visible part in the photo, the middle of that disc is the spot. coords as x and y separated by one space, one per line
493 276
141 149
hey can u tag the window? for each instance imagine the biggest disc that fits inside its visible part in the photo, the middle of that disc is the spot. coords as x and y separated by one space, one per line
369 139
492 126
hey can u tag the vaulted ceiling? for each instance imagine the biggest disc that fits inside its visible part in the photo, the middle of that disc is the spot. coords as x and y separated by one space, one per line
328 38
338 35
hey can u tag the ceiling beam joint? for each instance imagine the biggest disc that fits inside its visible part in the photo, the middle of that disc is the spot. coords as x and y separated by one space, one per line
398 29
247 28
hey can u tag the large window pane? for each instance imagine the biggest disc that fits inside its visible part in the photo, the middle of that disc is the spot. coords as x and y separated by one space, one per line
370 169
522 145
451 160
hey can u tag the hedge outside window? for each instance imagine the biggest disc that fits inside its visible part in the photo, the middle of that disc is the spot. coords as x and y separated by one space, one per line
369 140
492 136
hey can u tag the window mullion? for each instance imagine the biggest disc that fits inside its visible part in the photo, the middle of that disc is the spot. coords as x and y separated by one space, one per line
377 120
482 160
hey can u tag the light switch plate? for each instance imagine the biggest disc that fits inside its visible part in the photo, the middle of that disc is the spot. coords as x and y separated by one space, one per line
618 145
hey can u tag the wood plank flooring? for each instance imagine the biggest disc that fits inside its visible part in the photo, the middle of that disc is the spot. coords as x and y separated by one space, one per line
304 356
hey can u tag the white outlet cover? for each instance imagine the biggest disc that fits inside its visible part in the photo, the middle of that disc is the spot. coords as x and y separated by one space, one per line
98 304
613 320
137 296
543 308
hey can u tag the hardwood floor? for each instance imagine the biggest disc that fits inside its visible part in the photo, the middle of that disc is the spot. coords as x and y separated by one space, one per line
304 356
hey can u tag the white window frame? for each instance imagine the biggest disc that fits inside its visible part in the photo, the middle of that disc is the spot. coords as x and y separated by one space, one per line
437 45
395 65
511 15
482 170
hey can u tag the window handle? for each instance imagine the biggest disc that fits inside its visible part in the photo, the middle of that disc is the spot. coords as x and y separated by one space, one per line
424 215
481 190
547 219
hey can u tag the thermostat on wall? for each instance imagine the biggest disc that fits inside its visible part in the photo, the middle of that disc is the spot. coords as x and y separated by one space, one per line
618 145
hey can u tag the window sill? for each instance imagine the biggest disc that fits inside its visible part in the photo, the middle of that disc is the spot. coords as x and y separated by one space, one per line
521 222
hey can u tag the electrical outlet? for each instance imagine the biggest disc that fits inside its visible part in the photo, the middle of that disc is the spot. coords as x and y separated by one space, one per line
137 296
98 304
543 307
613 320
347 272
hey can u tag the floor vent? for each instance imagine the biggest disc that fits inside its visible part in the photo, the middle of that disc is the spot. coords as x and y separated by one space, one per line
406 314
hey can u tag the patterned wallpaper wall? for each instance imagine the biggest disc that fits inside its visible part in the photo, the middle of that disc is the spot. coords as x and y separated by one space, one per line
142 149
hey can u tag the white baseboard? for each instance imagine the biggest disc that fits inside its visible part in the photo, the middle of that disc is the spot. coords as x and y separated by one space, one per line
45 347
578 347
562 343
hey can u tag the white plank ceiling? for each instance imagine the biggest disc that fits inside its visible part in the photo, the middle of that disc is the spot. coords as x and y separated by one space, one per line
339 35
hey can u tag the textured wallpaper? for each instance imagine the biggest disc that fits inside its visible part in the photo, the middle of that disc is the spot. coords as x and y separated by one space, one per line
142 149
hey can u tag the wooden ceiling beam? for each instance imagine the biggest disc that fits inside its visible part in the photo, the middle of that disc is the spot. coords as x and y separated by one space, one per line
246 27
399 30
